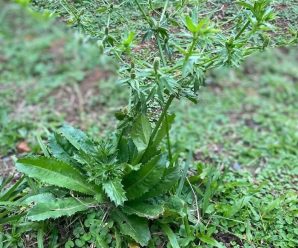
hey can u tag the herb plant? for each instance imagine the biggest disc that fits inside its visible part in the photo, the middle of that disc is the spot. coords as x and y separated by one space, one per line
133 183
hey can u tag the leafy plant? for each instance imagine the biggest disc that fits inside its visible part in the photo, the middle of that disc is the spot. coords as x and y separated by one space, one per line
133 174
101 174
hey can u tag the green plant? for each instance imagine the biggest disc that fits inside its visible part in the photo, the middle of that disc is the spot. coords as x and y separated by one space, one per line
133 173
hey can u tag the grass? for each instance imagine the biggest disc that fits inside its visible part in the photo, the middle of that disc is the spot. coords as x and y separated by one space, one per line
246 123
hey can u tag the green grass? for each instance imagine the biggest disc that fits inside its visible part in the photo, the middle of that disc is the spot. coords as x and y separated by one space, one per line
48 75
245 122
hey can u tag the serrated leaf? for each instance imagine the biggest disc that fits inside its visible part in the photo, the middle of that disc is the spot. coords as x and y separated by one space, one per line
135 227
55 172
114 190
58 208
77 138
143 209
169 179
139 182
141 132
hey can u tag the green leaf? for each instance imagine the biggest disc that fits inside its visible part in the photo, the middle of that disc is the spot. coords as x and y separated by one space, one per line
60 148
77 138
40 198
190 24
167 182
11 191
58 208
128 40
139 182
209 240
143 209
133 226
114 190
141 132
171 235
52 171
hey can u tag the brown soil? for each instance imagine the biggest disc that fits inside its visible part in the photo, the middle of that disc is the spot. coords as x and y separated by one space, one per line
227 238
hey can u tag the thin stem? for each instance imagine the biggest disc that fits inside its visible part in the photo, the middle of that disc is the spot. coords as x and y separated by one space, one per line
143 12
160 50
164 10
242 30
168 138
158 124
162 116
190 50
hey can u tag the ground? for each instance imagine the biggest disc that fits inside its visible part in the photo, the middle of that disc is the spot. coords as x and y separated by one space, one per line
246 122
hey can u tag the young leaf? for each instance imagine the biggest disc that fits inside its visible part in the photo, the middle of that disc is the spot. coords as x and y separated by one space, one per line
58 208
143 209
114 190
77 138
141 133
52 171
139 182
190 24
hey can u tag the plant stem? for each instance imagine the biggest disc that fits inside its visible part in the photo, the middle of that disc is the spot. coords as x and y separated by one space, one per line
189 52
242 30
143 12
160 50
159 122
161 117
168 139
164 10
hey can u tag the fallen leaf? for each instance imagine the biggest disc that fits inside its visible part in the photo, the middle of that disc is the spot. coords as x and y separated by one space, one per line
23 147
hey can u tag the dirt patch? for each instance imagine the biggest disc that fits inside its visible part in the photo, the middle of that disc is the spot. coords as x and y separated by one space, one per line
7 167
227 238
74 101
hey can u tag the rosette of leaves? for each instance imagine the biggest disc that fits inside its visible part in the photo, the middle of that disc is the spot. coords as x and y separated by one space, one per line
127 175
